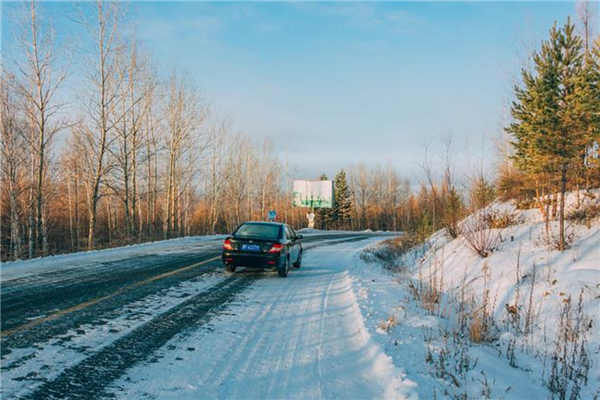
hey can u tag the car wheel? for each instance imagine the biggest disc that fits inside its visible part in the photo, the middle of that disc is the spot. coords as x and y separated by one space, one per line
229 268
298 263
283 271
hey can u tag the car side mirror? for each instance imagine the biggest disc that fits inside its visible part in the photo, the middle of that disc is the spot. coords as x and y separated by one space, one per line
298 237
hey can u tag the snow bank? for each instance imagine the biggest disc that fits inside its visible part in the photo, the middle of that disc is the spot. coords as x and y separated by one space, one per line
521 256
413 334
525 279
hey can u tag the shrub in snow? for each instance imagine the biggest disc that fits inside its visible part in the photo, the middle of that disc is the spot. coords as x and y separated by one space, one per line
521 315
478 236
501 219
390 253
551 238
481 323
428 295
429 291
571 357
388 324
585 214
450 360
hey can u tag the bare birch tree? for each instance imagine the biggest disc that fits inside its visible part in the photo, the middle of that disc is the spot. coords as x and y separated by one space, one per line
41 73
136 92
102 112
587 15
360 183
215 172
13 158
184 116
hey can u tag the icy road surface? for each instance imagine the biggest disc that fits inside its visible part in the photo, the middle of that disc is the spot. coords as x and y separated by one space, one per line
170 324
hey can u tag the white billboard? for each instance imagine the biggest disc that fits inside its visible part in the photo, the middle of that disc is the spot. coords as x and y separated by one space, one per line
313 194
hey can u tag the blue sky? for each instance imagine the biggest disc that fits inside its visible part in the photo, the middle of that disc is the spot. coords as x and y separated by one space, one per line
336 84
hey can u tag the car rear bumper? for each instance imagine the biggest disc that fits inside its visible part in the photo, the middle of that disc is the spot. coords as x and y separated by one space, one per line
261 260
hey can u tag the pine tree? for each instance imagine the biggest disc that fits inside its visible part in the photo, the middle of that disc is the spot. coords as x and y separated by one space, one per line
592 90
552 112
342 208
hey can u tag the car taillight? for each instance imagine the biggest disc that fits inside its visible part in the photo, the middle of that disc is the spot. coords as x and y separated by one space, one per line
227 245
276 248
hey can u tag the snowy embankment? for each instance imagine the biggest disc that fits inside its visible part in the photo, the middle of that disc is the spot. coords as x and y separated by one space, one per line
418 342
523 322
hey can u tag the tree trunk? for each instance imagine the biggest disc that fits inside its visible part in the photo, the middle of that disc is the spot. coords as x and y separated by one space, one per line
40 191
149 196
31 222
77 217
110 221
71 231
15 237
134 189
169 199
126 195
92 223
563 190
96 195
44 234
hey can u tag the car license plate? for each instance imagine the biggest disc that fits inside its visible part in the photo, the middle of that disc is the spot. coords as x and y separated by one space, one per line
251 247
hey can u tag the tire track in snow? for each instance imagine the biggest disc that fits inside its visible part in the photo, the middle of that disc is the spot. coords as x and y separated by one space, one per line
88 379
324 303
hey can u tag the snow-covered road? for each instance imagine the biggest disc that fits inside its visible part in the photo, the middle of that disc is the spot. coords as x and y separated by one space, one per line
168 330
300 337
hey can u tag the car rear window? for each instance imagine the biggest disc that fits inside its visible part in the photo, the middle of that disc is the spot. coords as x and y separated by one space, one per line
258 231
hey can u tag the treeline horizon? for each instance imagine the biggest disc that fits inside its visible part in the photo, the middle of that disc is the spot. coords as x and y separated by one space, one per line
145 157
